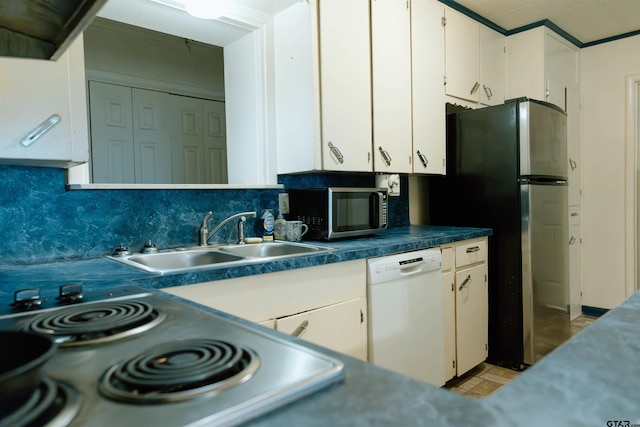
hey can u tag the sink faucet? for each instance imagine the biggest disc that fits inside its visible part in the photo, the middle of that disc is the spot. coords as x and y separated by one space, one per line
205 235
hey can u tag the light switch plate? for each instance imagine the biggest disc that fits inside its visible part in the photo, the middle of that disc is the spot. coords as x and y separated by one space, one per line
283 203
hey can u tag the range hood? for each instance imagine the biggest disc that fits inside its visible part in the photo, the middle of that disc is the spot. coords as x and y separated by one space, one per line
43 29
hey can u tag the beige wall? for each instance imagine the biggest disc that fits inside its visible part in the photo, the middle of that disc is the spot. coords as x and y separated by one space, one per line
604 71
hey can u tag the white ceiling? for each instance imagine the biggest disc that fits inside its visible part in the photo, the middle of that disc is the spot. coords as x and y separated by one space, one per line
585 20
169 17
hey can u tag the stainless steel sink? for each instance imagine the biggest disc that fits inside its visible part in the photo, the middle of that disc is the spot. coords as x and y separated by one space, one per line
195 258
175 260
274 249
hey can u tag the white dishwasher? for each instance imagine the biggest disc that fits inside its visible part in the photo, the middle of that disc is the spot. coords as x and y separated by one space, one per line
406 329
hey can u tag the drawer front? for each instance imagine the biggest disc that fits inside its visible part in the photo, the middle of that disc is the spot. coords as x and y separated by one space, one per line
447 258
471 252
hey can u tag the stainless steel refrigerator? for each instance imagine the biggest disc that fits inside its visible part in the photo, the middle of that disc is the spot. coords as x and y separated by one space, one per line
507 170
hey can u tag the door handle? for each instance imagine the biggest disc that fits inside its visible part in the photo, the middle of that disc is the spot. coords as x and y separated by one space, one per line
474 89
423 158
43 128
466 283
487 91
385 156
301 329
336 152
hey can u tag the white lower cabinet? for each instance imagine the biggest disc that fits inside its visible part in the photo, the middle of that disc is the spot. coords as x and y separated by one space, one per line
465 299
331 298
340 327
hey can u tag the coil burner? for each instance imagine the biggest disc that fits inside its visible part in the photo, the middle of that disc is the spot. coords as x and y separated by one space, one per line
51 404
97 323
179 371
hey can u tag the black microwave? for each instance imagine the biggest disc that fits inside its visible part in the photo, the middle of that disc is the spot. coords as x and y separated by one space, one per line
337 212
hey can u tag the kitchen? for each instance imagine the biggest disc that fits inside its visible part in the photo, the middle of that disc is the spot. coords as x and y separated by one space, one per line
89 223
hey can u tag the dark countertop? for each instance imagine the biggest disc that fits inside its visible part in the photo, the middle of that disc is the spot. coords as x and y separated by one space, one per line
103 272
589 380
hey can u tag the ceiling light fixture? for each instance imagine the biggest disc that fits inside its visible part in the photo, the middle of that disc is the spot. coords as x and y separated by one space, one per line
206 9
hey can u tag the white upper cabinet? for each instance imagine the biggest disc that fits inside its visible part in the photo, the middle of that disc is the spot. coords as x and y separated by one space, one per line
427 74
322 69
475 60
541 65
391 74
462 56
37 93
544 66
492 66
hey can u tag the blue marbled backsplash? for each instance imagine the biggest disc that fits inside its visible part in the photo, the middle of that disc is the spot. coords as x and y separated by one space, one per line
41 221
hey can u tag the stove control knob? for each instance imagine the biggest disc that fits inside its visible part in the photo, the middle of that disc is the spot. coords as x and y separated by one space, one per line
27 299
71 292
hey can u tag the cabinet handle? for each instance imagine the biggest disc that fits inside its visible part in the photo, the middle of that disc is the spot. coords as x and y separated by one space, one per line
573 164
574 213
572 240
466 283
336 152
423 158
473 249
487 91
44 127
301 329
385 156
475 88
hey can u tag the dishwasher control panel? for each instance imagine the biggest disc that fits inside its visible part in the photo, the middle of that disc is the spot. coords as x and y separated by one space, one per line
403 264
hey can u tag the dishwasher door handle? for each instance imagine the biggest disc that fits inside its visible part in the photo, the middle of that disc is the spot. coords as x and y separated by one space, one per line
411 269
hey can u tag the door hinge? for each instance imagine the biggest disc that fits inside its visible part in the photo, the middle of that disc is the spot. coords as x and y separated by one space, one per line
443 21
485 278
453 289
454 364
361 317
444 80
486 347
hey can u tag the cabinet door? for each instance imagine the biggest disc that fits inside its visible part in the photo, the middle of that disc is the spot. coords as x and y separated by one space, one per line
462 56
575 272
391 75
471 317
34 90
340 327
427 74
345 73
449 304
573 146
492 66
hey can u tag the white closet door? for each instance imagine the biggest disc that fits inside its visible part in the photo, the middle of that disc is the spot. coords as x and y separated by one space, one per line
215 142
187 140
151 135
111 133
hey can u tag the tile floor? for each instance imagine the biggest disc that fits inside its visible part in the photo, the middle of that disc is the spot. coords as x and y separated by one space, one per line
485 378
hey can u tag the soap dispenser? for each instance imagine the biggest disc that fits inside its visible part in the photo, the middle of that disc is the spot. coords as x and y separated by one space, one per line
268 224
